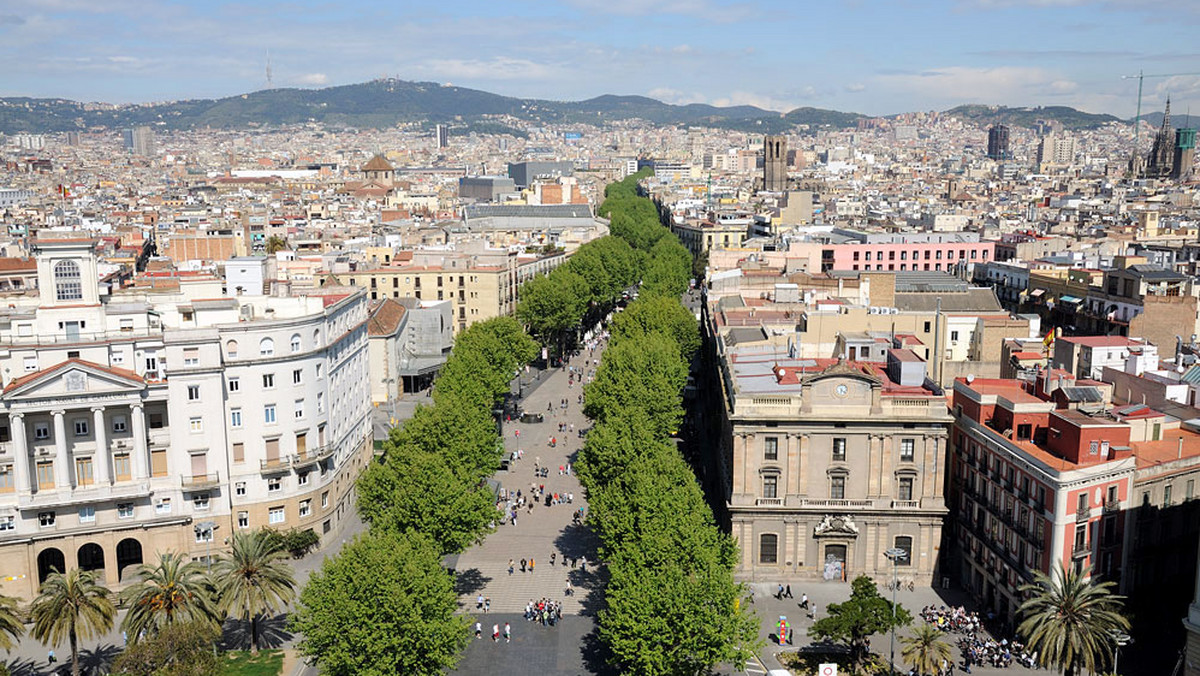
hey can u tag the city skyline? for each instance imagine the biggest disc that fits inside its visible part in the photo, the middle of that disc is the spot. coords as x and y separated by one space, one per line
868 57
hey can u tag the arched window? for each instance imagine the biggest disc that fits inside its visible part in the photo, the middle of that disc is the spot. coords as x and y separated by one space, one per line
296 342
266 347
316 338
67 282
231 348
768 548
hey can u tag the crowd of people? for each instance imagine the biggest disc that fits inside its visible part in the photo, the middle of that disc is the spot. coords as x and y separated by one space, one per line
977 647
953 619
545 611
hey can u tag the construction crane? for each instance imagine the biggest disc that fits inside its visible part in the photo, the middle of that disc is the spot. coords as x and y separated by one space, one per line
1137 127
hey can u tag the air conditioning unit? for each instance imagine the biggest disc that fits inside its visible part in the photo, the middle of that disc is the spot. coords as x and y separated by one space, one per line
247 312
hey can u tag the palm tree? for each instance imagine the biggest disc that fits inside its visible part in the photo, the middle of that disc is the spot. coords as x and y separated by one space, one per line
170 591
925 650
12 625
1070 620
275 243
71 606
254 580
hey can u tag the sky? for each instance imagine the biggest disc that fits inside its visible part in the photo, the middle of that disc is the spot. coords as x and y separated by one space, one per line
875 57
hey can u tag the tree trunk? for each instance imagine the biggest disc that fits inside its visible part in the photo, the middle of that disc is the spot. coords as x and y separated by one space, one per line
254 633
74 654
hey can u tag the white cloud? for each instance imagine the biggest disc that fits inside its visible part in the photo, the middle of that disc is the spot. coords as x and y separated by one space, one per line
313 79
743 98
682 49
855 87
708 10
1010 85
495 68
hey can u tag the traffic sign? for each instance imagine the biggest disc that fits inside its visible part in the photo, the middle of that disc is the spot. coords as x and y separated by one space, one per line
828 670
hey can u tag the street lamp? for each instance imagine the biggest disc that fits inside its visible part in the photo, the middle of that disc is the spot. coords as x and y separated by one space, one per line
1120 640
207 530
895 554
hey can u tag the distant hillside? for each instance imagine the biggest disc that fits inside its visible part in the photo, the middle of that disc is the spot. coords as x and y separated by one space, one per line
383 103
1069 118
1178 120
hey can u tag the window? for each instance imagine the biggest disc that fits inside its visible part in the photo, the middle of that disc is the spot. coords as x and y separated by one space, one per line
297 376
243 519
8 523
324 499
906 488
119 424
768 548
124 510
235 384
907 449
269 414
274 484
296 343
904 542
163 506
231 349
235 418
1081 537
928 325
122 467
155 420
276 515
298 411
191 356
193 393
268 381
1189 489
47 519
318 371
239 488
239 451
770 486
30 364
84 472
1082 503
67 281
87 515
954 336
1167 495
302 479
200 501
305 507
266 347
196 425
771 448
45 474
6 479
320 402
41 431
837 488
1112 494
81 428
839 449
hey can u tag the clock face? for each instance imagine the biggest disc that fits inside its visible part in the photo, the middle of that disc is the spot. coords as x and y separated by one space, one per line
841 390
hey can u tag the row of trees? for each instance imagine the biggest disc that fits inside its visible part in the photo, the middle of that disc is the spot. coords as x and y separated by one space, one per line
672 606
174 601
385 604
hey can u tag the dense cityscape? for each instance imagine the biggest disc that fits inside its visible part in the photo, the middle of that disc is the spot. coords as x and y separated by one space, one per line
404 377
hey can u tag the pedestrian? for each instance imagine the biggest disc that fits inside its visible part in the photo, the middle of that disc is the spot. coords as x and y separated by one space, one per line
50 657
570 498
804 601
788 592
487 605
478 630
479 602
564 560
510 561
531 565
791 633
552 555
495 633
568 592
779 592
507 633
583 563
522 565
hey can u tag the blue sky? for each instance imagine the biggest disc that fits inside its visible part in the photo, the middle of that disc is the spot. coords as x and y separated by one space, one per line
869 56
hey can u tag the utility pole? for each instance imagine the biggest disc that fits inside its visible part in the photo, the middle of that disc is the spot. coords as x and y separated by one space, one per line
895 554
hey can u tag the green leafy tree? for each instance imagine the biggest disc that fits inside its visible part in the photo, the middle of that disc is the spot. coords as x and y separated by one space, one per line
855 620
275 243
383 606
645 373
180 649
925 650
415 490
668 269
71 606
1070 620
254 580
12 624
458 429
659 315
172 590
484 360
553 304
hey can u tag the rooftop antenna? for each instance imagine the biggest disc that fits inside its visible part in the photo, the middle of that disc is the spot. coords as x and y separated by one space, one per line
270 80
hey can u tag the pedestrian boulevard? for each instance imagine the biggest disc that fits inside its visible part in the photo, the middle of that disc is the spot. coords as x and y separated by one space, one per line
483 569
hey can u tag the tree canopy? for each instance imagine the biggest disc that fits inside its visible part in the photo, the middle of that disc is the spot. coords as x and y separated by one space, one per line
852 622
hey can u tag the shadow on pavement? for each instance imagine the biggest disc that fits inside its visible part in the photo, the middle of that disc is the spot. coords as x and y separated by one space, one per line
26 668
272 633
596 655
470 581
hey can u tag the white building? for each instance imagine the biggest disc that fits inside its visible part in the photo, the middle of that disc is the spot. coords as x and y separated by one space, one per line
132 416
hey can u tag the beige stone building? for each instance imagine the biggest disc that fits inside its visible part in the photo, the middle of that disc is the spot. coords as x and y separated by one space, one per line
826 464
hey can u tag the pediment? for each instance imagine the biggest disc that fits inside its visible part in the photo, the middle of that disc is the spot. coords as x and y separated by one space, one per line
74 378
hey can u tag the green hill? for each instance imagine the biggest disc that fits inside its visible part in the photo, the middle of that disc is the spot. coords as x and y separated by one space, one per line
1069 118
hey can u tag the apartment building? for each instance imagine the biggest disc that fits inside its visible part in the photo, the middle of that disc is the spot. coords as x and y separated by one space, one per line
143 420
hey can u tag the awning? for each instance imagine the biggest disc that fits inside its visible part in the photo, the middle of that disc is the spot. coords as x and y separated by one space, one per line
1037 292
1070 299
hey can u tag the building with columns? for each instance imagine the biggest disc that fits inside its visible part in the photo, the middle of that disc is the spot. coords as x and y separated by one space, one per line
131 416
826 464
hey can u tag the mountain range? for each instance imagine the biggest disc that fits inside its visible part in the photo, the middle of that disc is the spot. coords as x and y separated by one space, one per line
387 102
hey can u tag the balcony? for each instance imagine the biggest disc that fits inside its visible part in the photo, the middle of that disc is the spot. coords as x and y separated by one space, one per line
768 502
1080 550
838 503
1083 514
198 482
82 495
1111 506
906 504
281 464
312 456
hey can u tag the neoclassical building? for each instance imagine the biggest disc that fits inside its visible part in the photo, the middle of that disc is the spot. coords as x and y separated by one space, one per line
826 464
142 420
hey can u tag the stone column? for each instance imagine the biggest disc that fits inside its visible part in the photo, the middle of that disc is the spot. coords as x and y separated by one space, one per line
874 465
793 464
100 465
62 460
16 423
804 461
140 461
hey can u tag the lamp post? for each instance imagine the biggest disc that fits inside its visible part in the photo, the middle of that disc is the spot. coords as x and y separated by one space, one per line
894 554
1120 640
207 530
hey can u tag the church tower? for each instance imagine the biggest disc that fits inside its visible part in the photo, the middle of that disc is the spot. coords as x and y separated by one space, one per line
1158 164
774 163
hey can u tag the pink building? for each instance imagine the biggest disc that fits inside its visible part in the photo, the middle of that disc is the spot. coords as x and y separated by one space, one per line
900 257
